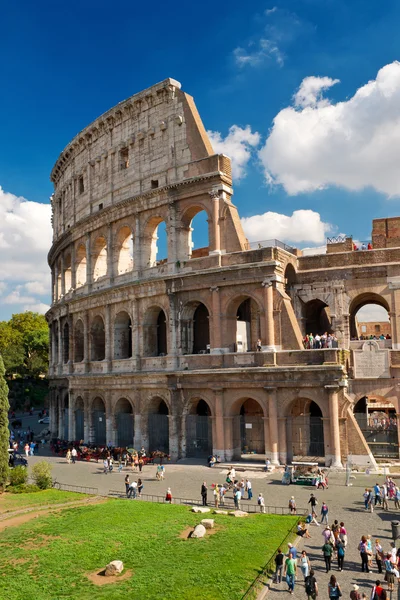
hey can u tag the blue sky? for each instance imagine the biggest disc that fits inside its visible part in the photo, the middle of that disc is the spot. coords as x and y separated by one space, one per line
66 63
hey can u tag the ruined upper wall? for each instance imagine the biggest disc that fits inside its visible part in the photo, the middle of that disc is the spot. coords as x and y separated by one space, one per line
143 143
386 233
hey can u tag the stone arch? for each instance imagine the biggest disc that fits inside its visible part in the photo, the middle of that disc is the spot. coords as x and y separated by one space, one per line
97 339
316 314
359 302
124 250
64 433
99 258
377 418
81 266
155 334
55 338
186 232
244 323
79 341
65 337
125 419
58 281
290 280
158 424
122 336
195 328
67 273
199 439
151 253
98 410
248 426
305 431
79 419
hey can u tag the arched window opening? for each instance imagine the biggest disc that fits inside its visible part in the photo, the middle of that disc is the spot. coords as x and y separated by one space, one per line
198 243
371 321
124 251
98 422
79 340
305 431
124 423
377 419
58 282
199 431
158 426
317 318
195 329
290 280
79 420
248 329
250 428
81 266
161 334
66 343
156 242
55 344
67 273
98 339
122 336
155 332
100 259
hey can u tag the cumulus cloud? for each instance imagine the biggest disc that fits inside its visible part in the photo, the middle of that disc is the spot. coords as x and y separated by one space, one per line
301 226
25 238
352 144
372 313
263 51
238 145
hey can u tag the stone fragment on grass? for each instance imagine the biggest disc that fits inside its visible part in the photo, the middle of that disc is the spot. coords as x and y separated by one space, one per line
115 567
199 531
200 509
208 523
239 513
220 512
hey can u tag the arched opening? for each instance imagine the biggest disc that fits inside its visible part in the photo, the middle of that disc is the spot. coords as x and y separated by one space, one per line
80 261
98 339
249 429
195 228
65 343
377 419
290 280
79 341
158 424
64 418
124 251
156 242
155 332
317 317
58 282
55 340
248 329
305 431
199 431
99 258
195 329
125 423
369 319
122 336
98 421
79 419
67 273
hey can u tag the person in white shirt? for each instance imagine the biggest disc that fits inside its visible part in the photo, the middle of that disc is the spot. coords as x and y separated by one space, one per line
74 455
132 489
261 503
249 490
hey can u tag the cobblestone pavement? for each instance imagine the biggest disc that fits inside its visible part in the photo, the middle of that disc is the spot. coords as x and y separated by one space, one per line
345 504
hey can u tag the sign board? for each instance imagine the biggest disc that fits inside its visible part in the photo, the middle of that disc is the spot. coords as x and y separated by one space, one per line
248 425
371 362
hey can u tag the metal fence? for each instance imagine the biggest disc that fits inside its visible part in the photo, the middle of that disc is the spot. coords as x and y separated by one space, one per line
270 244
81 489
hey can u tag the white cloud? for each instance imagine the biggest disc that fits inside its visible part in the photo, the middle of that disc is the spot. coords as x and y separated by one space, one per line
25 239
265 50
301 226
371 313
39 307
270 11
352 144
237 145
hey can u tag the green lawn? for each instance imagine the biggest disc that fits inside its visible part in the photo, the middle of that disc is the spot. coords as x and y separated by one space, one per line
47 559
10 502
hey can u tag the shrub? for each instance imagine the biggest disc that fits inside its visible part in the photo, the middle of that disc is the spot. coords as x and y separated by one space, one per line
41 475
18 476
24 488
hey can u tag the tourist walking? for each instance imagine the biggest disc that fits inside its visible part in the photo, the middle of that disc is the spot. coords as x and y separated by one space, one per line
327 551
377 590
74 455
343 533
68 456
292 506
127 483
311 586
355 594
132 489
261 503
390 574
290 572
140 487
237 496
222 492
340 550
377 492
105 466
278 566
304 564
324 513
379 556
334 590
203 493
249 490
168 496
363 548
216 495
313 502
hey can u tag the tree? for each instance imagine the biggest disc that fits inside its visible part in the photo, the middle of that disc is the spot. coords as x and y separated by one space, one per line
24 344
4 431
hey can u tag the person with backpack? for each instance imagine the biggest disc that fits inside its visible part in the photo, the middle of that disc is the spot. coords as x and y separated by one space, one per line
290 572
278 566
340 549
377 590
334 590
324 513
327 551
311 586
261 503
363 548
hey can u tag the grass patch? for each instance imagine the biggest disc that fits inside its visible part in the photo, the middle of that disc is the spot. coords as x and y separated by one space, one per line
10 502
146 537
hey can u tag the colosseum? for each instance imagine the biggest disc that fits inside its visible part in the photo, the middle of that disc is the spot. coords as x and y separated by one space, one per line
201 350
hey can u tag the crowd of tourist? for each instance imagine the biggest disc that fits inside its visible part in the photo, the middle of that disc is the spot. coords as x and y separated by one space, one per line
317 341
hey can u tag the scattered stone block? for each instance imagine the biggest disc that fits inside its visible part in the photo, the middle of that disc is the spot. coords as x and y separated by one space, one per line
115 567
208 523
200 509
199 531
220 512
239 513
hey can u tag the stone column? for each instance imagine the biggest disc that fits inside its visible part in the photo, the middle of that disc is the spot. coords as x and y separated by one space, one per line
173 341
182 449
216 249
62 276
60 348
53 285
229 449
135 334
269 316
218 424
87 418
89 278
86 345
273 424
336 459
110 254
215 325
60 414
109 337
73 268
282 442
137 432
71 417
71 343
110 420
56 290
173 423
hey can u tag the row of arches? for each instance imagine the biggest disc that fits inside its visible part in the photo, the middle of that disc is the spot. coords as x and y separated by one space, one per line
153 248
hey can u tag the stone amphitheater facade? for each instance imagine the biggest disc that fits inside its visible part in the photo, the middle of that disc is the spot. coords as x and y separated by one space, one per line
163 353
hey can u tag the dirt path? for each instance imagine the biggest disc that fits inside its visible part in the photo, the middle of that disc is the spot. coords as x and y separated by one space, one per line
13 519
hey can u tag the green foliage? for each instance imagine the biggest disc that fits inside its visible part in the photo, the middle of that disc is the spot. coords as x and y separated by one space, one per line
10 502
4 431
41 474
23 488
146 537
24 344
18 475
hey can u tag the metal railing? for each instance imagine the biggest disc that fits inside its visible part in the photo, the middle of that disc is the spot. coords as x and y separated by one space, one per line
338 239
268 569
269 244
80 489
